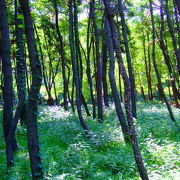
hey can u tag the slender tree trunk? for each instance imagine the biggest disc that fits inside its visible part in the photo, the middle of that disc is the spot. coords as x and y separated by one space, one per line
177 20
143 94
7 81
167 58
62 52
149 71
21 67
120 84
146 66
178 4
75 71
44 72
160 87
127 98
98 63
72 95
104 70
88 69
33 143
115 93
171 30
78 54
129 59
21 84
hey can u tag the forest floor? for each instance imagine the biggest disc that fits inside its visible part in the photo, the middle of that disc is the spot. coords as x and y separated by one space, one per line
67 154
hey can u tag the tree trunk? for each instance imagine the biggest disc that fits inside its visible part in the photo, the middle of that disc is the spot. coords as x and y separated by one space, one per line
171 30
115 93
160 87
127 98
62 53
7 81
178 5
75 71
21 67
88 69
98 63
78 54
149 71
104 70
33 143
167 58
129 59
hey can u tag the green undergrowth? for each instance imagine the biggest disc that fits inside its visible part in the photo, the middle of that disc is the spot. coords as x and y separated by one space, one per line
68 154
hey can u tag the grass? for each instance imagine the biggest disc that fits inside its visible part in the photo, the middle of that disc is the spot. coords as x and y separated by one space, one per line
67 154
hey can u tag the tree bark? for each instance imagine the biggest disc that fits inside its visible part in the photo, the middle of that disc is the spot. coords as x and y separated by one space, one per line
127 98
62 53
160 87
7 81
178 4
167 58
75 71
33 142
21 67
129 58
88 69
115 93
104 69
171 30
98 63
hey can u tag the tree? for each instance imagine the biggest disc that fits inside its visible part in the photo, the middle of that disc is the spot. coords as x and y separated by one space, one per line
128 57
11 145
98 63
33 143
77 79
156 67
62 53
178 5
132 130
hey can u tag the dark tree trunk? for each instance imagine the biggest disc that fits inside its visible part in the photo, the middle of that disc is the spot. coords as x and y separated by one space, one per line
21 67
33 143
21 84
98 63
72 95
149 70
120 84
178 5
143 94
62 52
44 72
88 69
75 71
104 70
7 81
78 54
160 92
171 30
127 98
160 87
177 20
167 59
129 59
115 93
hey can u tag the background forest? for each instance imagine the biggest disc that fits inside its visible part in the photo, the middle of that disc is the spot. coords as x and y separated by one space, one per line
89 89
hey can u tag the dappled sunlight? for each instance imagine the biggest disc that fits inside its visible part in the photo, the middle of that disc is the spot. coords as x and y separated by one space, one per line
54 112
67 153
